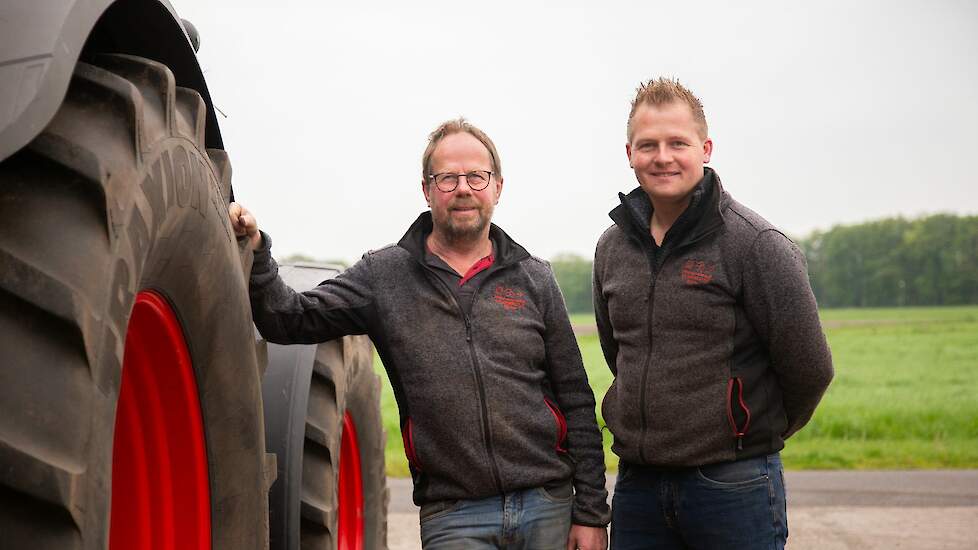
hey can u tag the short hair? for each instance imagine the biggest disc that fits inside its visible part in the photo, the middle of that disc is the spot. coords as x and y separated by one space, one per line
662 91
457 126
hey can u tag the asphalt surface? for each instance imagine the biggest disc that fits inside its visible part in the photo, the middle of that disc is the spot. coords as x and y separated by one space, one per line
827 510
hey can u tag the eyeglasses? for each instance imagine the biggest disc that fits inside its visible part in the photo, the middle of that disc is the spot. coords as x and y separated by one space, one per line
476 179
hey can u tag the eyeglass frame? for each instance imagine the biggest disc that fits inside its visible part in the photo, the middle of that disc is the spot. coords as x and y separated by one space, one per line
433 179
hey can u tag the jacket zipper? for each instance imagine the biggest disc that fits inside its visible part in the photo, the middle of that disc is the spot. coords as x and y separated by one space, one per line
407 435
561 424
648 358
655 265
487 439
738 432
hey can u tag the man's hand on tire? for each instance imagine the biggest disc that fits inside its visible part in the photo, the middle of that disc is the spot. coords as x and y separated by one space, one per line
244 224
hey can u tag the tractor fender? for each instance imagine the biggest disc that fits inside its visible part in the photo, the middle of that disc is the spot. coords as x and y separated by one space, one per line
40 43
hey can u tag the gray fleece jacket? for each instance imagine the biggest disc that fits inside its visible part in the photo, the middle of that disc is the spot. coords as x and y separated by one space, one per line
492 399
713 337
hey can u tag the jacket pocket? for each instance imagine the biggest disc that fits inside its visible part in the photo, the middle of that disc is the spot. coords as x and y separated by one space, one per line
407 436
561 425
738 413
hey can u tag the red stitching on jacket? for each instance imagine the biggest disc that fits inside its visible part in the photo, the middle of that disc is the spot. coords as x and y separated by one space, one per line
743 405
407 436
697 272
510 298
561 425
740 398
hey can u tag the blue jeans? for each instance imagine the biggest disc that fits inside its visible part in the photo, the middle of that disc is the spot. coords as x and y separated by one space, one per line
531 519
738 505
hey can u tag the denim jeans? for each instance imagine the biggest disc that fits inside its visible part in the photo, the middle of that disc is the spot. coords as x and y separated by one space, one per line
738 505
531 519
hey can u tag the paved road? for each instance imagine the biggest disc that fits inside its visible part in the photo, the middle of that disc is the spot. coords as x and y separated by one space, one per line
837 510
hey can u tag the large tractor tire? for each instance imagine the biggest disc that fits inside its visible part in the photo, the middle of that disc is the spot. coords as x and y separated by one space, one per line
130 395
323 422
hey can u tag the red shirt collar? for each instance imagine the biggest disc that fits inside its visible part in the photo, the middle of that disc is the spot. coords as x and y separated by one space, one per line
481 265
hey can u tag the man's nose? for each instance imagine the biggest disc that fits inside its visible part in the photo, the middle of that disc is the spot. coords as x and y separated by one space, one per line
663 156
463 185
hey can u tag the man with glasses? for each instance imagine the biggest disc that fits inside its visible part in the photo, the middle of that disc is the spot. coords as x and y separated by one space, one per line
708 322
497 416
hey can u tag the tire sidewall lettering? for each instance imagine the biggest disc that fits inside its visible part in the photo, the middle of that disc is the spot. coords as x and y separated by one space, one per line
172 185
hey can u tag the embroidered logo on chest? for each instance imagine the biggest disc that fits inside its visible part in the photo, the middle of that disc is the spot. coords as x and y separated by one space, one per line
696 272
510 298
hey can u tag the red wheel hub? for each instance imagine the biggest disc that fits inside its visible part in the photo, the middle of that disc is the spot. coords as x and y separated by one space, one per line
160 493
350 487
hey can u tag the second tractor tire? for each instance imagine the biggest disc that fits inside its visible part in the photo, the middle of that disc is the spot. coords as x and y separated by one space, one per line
319 400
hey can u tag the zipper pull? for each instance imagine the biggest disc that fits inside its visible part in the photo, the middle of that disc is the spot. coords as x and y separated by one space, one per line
468 330
740 443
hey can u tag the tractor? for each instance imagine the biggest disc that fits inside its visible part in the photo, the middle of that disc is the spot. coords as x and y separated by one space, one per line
139 408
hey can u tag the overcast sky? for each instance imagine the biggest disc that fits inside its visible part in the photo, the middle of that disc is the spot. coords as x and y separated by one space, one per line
820 112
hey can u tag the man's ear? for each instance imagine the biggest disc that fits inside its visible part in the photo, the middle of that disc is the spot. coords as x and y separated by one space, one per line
425 191
499 189
707 150
628 153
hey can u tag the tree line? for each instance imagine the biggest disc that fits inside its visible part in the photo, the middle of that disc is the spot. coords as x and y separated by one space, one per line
928 261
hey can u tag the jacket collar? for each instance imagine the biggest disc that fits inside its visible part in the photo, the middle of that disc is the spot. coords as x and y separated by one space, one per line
703 215
505 250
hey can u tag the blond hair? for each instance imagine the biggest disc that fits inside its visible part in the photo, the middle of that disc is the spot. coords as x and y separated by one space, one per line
456 126
662 91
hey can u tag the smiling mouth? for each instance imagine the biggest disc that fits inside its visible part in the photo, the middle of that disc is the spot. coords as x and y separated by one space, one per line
664 174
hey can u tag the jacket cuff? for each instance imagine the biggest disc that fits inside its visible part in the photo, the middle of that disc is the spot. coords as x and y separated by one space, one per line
266 244
588 517
263 254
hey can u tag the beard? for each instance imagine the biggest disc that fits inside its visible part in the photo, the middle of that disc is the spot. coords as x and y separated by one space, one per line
465 230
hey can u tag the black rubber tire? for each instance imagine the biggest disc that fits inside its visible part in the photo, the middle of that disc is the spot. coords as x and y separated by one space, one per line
116 196
307 390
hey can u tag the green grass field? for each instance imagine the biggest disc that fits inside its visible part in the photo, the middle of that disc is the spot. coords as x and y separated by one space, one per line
905 393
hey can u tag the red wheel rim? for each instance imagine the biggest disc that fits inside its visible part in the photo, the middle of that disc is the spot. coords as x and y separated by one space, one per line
160 493
350 486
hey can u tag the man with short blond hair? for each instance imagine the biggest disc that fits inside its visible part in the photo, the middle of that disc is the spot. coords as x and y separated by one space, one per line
496 412
663 91
707 320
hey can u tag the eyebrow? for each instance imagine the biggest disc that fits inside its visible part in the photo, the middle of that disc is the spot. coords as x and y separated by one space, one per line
463 171
654 140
